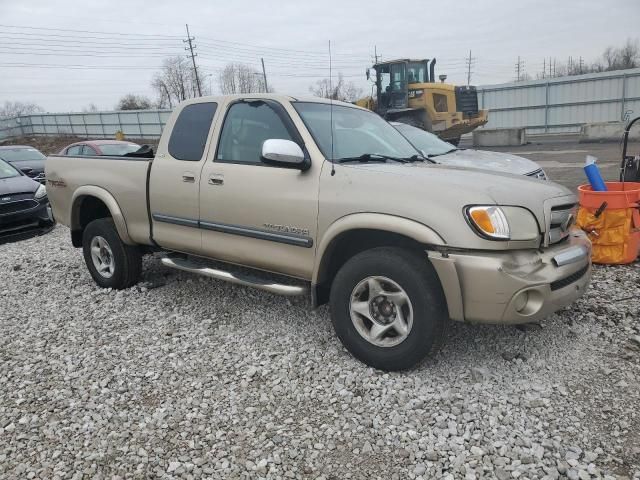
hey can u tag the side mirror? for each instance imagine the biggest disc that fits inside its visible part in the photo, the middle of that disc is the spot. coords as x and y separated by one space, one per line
284 153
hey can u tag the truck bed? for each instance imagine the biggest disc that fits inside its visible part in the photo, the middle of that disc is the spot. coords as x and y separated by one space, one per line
124 178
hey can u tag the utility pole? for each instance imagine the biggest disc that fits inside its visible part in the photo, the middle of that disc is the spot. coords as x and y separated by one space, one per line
375 53
193 59
544 67
554 67
470 60
519 68
581 64
264 75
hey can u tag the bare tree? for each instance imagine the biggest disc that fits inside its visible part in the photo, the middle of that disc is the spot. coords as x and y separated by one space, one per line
92 107
175 82
337 90
629 55
133 102
15 109
240 78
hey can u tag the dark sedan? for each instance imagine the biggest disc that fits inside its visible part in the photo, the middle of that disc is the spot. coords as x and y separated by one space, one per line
24 206
27 159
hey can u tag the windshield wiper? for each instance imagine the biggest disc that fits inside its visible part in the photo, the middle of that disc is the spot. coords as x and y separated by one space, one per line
443 153
372 157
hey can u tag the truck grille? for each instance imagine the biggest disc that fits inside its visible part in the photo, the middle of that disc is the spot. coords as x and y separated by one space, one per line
574 277
467 101
562 217
16 203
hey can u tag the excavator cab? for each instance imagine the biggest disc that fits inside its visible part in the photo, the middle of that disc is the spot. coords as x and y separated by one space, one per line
392 83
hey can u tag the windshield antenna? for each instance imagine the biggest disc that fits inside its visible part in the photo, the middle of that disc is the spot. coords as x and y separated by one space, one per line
333 163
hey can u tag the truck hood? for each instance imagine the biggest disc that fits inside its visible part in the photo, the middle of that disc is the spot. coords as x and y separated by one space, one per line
494 161
436 195
21 184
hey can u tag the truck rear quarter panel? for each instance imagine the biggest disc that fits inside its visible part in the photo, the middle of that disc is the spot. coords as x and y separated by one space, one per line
123 179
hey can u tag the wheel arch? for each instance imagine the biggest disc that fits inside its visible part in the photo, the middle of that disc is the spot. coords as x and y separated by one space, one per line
355 233
89 203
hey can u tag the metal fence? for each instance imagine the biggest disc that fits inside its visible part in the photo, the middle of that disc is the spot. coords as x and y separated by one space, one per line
133 123
554 105
564 104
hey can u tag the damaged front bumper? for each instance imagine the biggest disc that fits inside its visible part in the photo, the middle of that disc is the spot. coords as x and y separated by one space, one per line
512 287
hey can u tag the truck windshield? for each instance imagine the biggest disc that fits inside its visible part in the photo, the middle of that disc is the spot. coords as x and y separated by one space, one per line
7 171
426 142
356 132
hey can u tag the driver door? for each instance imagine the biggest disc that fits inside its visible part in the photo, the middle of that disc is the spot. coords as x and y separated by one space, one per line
255 214
399 87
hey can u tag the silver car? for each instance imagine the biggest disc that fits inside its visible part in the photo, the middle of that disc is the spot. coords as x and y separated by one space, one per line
447 154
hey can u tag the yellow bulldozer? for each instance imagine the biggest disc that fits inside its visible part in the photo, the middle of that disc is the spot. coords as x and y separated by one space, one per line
406 91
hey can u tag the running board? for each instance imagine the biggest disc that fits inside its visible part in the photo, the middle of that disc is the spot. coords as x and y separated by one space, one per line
185 265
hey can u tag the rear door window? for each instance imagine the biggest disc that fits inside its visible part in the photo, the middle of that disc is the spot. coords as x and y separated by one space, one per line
190 132
75 150
87 150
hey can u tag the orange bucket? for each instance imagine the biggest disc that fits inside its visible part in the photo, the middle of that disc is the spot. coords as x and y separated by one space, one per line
615 233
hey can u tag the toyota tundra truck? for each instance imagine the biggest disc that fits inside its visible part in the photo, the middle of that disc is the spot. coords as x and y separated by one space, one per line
304 196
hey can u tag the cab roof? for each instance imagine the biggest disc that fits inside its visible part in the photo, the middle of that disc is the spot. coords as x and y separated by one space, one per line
402 60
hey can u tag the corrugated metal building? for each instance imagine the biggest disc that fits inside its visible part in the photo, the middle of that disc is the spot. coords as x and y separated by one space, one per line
563 104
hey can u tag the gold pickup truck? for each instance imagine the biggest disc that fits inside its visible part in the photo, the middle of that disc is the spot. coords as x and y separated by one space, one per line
301 196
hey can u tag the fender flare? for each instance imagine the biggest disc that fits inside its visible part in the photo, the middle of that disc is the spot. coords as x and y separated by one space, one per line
111 203
372 221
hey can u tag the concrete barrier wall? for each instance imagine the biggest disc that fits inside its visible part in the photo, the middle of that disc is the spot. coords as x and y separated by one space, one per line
499 137
607 132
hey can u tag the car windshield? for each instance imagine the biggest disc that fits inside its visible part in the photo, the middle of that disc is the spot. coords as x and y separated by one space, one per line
20 154
426 142
118 149
7 171
356 132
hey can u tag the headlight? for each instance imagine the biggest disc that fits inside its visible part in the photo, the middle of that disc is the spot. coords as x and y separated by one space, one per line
41 192
503 223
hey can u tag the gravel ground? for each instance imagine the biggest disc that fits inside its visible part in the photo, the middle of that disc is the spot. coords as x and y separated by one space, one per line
187 377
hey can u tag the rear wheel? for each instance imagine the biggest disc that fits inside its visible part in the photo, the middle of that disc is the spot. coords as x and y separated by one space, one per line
388 308
111 262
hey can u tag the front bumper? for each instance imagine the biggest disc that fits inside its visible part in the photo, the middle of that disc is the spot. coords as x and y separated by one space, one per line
32 221
514 287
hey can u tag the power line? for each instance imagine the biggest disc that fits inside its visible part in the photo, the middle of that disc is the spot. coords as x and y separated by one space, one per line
91 31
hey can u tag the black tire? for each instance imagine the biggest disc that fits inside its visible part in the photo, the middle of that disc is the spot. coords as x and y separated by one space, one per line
127 260
415 275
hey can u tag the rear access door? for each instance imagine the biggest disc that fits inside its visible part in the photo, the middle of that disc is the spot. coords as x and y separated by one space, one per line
174 182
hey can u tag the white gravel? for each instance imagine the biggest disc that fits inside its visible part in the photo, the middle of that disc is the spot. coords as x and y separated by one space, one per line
192 378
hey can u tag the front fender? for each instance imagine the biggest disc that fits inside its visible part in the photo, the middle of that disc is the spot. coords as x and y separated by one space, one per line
111 203
373 221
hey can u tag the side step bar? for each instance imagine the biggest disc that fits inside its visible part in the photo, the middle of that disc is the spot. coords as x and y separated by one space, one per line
184 264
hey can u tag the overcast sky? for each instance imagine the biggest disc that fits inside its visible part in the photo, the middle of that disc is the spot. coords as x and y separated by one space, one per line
122 42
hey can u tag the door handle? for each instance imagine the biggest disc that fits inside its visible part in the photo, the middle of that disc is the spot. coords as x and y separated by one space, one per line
188 177
216 179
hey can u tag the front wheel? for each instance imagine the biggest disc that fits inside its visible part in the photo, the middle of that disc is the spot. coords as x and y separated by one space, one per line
111 262
388 308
